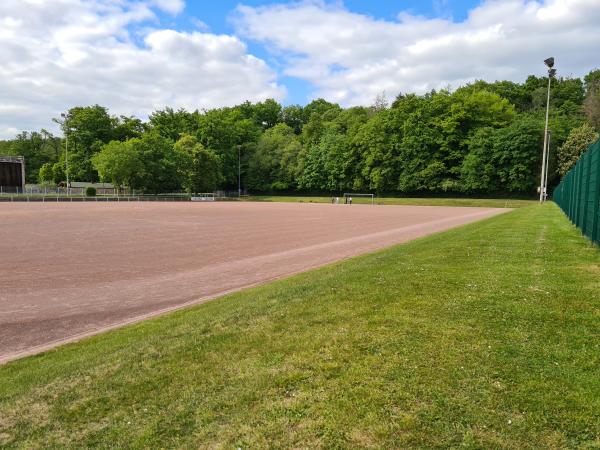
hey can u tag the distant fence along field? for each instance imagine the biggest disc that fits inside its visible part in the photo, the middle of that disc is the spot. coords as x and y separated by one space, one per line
578 194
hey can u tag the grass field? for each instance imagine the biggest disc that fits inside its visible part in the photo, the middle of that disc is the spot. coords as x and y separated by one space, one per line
485 336
479 202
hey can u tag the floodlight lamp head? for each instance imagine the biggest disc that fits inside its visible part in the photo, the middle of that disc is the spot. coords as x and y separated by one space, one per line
551 73
549 62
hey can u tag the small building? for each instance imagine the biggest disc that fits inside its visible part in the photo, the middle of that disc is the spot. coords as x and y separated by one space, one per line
12 174
101 188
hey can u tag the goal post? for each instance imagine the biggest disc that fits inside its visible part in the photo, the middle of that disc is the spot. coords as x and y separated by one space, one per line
353 195
204 197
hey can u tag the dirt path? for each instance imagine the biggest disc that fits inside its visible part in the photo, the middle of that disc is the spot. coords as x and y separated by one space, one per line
71 270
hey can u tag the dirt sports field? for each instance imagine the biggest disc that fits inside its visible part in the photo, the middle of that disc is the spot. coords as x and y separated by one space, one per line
69 270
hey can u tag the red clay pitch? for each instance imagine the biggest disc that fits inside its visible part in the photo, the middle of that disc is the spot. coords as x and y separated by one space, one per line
75 269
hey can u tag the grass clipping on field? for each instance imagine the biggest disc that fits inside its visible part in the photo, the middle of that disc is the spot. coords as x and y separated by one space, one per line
485 336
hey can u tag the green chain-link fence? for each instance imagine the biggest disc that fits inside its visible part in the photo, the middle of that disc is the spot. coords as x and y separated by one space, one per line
578 194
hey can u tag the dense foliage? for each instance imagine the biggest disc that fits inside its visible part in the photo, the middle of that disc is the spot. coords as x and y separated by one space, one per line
578 141
483 138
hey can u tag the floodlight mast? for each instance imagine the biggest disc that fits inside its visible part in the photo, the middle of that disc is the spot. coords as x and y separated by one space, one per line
239 149
547 164
64 124
543 178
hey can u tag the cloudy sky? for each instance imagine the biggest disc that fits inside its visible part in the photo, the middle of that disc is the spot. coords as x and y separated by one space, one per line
135 56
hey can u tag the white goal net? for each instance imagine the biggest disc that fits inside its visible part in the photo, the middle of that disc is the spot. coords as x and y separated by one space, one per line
350 197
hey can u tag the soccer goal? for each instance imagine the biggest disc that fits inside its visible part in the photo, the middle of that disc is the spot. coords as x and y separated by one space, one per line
204 197
350 196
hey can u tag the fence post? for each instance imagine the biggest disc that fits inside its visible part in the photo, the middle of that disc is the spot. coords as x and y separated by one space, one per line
579 191
573 192
568 183
576 194
581 186
587 163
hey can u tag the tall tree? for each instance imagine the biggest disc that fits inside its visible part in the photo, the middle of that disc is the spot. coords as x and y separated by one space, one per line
223 130
294 116
578 141
119 163
267 114
87 129
172 124
504 159
274 163
198 167
592 99
38 148
160 163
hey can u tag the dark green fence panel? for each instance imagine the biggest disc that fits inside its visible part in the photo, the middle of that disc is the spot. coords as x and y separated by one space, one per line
591 196
578 194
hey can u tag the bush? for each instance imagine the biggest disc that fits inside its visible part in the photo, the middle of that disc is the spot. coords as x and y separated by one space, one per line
90 191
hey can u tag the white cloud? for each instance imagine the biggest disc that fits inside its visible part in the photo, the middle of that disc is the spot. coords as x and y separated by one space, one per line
350 58
61 53
170 6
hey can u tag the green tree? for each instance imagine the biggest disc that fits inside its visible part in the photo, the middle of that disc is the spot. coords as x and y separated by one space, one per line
267 114
120 163
198 167
378 168
160 163
46 174
330 160
125 128
323 108
38 148
87 130
592 99
478 172
223 130
294 116
58 172
592 108
172 124
504 159
591 80
578 141
273 165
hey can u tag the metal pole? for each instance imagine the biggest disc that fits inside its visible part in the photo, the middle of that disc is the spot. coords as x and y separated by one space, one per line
23 173
546 171
543 181
67 160
239 172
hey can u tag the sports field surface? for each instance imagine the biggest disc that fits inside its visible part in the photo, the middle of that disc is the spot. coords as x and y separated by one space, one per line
69 270
485 336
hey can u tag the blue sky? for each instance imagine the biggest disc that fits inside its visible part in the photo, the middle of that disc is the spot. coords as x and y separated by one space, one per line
217 16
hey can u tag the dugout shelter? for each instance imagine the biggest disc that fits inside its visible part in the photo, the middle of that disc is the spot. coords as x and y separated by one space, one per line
12 174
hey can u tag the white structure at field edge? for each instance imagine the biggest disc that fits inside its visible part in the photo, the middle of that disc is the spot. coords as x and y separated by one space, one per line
353 195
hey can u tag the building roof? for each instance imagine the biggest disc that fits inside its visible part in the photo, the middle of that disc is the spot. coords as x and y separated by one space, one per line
81 184
12 159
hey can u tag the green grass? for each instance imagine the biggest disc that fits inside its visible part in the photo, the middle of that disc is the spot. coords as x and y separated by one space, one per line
480 202
485 336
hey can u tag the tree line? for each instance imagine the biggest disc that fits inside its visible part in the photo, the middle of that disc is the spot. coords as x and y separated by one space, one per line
482 138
